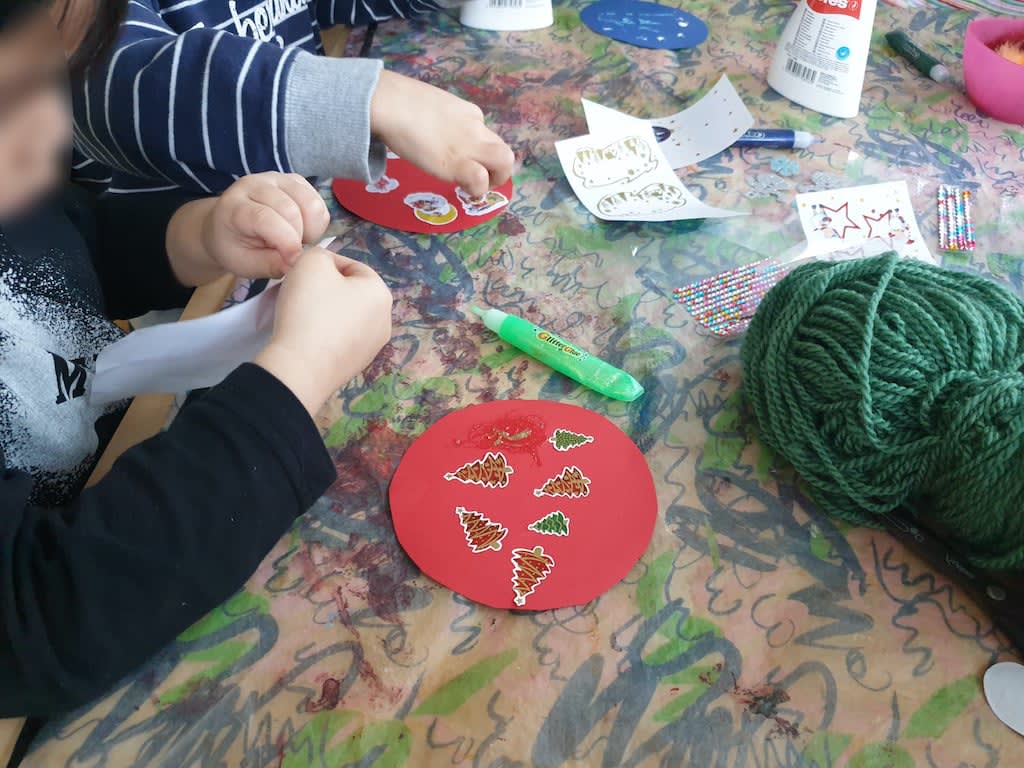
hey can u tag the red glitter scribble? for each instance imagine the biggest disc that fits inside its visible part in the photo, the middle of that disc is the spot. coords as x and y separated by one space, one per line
514 433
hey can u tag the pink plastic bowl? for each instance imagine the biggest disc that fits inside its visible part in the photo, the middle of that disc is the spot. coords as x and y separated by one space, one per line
995 85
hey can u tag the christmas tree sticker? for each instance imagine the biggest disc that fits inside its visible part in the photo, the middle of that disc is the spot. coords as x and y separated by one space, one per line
491 471
555 524
529 568
565 440
482 534
571 483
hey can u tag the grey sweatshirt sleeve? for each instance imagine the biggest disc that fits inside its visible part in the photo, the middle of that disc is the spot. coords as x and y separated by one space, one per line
327 118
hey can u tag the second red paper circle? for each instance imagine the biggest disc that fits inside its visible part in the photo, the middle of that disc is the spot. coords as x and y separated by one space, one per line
527 505
409 200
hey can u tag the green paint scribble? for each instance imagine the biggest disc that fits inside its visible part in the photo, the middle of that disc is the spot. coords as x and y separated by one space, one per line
695 680
500 357
220 658
242 604
722 449
679 640
649 591
1017 137
716 555
392 398
623 312
457 691
821 547
824 749
945 706
881 756
574 241
310 747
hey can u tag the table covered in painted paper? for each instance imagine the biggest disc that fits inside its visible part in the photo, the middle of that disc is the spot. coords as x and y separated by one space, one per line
755 631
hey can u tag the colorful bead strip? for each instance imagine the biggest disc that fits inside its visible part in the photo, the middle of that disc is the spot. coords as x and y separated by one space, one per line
956 227
725 302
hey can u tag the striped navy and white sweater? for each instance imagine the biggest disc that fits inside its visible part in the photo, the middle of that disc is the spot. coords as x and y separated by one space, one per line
201 92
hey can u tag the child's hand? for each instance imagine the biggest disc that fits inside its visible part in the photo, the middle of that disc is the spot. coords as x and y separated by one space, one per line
441 133
333 317
258 226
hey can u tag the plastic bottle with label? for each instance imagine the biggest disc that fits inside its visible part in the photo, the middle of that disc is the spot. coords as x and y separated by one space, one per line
507 15
823 53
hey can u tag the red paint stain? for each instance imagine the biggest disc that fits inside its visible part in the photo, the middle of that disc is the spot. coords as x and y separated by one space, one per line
510 226
330 694
764 701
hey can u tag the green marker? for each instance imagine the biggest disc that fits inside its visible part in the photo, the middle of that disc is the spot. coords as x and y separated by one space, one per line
590 371
924 63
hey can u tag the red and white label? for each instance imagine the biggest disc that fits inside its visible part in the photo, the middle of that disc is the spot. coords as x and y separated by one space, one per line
849 8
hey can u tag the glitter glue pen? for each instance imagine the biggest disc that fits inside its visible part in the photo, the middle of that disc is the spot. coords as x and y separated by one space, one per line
592 372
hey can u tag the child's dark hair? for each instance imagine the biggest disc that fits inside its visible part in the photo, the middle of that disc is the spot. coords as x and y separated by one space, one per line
106 21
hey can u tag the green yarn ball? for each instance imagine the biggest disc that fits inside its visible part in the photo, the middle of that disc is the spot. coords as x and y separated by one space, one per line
890 382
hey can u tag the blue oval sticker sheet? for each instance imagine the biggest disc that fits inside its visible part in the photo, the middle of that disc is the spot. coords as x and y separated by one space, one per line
647 25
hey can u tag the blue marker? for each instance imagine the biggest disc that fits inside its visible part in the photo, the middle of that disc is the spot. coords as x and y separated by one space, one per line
776 138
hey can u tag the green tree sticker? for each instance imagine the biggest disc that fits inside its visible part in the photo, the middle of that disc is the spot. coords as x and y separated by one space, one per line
555 524
565 440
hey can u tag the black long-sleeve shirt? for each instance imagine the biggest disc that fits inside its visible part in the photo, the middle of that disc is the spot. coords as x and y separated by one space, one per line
93 582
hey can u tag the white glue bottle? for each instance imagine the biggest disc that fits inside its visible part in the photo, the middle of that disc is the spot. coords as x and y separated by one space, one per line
507 15
821 58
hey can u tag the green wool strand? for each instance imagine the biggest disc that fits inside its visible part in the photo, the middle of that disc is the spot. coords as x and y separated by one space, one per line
890 382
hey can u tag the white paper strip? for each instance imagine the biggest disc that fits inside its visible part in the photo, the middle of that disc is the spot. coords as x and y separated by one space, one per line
180 357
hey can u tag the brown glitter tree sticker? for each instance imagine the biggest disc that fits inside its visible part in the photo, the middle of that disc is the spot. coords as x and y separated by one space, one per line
492 471
529 568
482 534
571 483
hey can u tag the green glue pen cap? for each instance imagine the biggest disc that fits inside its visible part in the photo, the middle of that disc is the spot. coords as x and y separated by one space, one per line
557 353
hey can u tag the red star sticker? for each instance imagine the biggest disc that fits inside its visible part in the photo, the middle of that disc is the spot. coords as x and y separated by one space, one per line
879 226
843 209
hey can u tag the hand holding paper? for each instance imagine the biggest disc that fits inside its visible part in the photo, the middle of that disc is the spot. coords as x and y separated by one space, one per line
333 317
314 332
257 228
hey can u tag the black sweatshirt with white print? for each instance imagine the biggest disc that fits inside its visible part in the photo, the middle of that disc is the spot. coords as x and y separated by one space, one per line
93 582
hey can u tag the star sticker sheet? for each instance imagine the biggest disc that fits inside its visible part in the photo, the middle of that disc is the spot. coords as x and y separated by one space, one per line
873 214
526 505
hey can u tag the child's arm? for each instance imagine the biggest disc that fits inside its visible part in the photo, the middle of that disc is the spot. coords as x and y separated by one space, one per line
357 13
90 591
201 108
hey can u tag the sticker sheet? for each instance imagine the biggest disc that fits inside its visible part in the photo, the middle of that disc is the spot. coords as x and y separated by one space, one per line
525 505
625 177
880 215
407 199
696 133
646 25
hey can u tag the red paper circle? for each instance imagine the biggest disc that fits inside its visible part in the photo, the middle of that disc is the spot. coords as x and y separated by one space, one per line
609 529
388 207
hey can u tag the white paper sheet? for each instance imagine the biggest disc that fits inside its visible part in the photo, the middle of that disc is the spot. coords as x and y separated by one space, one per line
624 176
841 218
687 137
180 357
